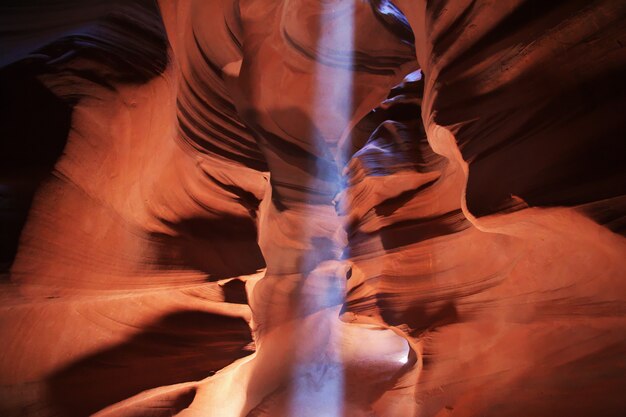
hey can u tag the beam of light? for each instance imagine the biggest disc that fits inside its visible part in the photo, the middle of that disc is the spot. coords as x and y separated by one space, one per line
318 374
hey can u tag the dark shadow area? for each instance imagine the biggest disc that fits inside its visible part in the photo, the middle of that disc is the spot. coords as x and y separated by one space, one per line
125 39
235 292
181 347
553 135
409 232
393 20
34 126
396 311
303 167
577 156
221 247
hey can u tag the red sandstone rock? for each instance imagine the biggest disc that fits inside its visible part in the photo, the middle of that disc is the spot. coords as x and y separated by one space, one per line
260 212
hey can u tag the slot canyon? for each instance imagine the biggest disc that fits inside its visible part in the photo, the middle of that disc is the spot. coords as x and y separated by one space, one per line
313 208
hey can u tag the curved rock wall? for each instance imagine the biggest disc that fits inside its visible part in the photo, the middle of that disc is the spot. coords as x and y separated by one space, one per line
313 208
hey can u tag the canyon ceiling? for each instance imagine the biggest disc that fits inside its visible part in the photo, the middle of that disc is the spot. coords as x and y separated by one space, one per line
313 208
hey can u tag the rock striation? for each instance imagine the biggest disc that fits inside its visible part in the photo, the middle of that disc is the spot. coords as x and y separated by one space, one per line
302 208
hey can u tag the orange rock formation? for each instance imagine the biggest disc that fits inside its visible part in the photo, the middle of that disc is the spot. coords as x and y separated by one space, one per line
303 208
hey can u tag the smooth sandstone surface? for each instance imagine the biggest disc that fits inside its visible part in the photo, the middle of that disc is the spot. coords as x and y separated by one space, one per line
305 208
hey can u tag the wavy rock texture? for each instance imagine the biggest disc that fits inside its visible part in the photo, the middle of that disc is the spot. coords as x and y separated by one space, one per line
313 208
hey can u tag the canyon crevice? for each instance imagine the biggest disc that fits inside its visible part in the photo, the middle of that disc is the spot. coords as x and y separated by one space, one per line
303 208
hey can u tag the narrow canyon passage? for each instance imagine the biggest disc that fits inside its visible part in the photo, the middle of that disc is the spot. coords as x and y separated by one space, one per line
313 208
308 362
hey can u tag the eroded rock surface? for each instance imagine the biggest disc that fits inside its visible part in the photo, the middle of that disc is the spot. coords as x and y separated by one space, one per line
313 208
